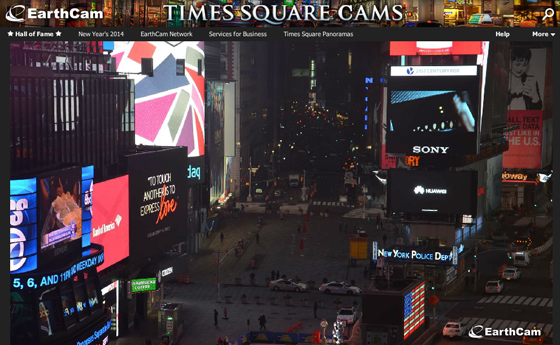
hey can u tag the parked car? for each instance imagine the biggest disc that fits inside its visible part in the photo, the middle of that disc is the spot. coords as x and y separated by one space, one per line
347 314
340 288
494 286
454 328
511 272
287 285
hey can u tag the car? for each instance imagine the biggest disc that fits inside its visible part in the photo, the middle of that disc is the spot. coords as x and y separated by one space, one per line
511 272
426 24
454 328
339 288
347 314
287 285
494 286
537 339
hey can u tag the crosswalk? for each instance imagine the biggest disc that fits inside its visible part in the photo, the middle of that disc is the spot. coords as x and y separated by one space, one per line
503 324
331 203
518 300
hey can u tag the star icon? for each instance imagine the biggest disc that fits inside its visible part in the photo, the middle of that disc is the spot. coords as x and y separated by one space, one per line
58 33
10 33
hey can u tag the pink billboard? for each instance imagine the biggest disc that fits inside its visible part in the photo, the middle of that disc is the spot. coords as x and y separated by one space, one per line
525 143
110 226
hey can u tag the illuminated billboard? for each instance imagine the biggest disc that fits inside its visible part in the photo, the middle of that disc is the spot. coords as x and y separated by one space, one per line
433 110
409 48
60 205
110 226
23 225
169 107
414 309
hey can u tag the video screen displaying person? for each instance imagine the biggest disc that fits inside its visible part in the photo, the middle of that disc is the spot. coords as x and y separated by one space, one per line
524 93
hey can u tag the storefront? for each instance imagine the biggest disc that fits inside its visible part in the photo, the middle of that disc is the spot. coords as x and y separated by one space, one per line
522 190
112 301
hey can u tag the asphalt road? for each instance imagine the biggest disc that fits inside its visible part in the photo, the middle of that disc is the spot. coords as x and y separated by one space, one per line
524 303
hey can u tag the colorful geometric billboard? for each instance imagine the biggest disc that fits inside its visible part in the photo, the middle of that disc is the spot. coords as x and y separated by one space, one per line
169 106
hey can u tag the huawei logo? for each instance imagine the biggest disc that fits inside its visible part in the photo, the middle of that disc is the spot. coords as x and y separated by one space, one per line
419 190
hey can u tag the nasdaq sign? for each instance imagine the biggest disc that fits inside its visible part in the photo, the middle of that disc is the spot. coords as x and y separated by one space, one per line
23 225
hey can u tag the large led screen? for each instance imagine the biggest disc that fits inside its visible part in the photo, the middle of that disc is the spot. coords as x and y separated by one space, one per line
215 91
169 106
111 221
445 192
433 110
23 225
61 211
158 196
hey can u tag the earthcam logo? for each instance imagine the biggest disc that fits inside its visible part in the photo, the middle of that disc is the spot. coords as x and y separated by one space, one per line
19 14
479 331
13 12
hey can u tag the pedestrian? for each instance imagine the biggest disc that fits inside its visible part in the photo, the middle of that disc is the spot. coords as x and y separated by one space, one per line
365 272
257 237
277 275
340 227
262 322
136 321
272 274
315 307
384 241
220 341
298 227
345 227
378 218
148 341
222 237
215 317
226 340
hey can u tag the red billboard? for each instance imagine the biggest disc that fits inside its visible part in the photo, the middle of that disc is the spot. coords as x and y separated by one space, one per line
110 219
525 143
435 48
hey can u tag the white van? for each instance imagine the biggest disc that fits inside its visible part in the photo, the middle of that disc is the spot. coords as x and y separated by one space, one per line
521 259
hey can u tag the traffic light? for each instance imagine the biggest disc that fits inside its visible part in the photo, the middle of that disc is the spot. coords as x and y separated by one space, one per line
215 261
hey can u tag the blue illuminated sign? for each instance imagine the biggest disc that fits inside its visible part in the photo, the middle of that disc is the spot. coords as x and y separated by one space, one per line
87 194
23 225
50 279
416 255
96 335
194 172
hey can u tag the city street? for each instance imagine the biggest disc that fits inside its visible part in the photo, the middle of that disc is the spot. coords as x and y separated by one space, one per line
524 303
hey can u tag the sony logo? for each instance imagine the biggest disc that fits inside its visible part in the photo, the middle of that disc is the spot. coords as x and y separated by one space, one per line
430 149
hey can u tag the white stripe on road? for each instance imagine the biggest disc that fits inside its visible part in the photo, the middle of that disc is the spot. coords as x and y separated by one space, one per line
488 322
549 303
523 324
505 299
513 300
472 322
505 324
544 302
529 299
465 320
513 324
497 323
540 325
482 300
498 299
531 325
550 336
536 301
547 329
521 299
490 299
